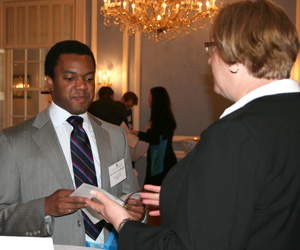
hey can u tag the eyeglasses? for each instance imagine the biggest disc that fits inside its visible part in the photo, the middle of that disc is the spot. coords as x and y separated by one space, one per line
210 48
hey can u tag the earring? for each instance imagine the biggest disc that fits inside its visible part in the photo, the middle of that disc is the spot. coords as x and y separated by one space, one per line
236 68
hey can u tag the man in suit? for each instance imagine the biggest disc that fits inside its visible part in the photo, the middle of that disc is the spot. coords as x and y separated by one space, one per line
36 172
107 109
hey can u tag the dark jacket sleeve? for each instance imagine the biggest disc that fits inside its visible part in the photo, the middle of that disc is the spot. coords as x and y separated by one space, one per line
136 235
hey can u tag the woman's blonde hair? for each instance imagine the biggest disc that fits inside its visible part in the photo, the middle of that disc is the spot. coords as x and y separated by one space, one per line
258 34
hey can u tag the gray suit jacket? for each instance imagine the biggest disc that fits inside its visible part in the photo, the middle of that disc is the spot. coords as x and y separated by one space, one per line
33 166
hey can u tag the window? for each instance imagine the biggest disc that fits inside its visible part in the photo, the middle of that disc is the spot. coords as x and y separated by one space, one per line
28 91
31 28
29 24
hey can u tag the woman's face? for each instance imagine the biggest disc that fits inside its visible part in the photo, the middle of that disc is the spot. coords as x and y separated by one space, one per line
150 100
223 80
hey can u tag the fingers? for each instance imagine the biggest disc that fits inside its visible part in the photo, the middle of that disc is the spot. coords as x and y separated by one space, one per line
70 211
150 198
133 131
151 202
154 213
152 188
60 203
110 210
134 202
153 196
135 206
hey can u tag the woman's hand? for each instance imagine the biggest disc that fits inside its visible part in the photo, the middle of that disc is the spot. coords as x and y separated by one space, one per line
148 125
110 210
135 132
152 198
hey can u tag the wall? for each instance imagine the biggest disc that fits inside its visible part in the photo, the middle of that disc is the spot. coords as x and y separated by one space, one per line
110 45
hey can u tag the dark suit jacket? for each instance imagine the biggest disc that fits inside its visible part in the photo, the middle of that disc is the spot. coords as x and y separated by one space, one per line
109 110
33 166
238 189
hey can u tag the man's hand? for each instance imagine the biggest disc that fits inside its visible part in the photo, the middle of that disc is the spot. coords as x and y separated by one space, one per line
60 203
135 209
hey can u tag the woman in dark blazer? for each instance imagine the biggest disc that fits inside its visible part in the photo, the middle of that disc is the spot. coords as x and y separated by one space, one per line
160 128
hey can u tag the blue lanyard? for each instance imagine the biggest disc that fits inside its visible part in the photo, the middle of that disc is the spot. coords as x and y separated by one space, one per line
111 243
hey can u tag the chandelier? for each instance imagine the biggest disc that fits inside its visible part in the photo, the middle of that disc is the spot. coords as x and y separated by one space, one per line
159 20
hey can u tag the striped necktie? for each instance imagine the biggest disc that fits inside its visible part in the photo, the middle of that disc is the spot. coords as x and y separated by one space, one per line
83 167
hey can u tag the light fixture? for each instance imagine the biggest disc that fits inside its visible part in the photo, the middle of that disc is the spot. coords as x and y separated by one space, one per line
104 78
158 20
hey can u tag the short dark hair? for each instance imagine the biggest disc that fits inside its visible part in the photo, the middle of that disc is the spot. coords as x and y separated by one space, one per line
65 47
131 96
105 91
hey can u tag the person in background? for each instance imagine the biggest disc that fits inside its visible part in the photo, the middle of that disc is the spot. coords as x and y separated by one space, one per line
39 170
160 128
106 91
106 109
129 99
239 187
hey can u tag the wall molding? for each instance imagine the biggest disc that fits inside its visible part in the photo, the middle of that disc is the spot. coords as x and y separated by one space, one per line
137 78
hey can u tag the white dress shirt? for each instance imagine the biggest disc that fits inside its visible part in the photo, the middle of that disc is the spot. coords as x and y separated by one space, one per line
273 88
63 130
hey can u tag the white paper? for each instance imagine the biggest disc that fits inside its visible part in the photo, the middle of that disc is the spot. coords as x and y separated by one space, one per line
85 191
124 127
26 243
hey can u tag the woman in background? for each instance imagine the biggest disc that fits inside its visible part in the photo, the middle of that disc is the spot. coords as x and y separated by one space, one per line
159 129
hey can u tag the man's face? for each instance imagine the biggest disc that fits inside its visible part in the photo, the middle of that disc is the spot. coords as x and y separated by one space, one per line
73 86
129 104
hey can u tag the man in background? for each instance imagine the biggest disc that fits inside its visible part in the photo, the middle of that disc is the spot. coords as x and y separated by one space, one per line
129 99
107 109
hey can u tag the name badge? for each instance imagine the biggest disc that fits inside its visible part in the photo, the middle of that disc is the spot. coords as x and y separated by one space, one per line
117 173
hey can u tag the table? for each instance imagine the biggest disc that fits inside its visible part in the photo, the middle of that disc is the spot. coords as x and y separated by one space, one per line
187 145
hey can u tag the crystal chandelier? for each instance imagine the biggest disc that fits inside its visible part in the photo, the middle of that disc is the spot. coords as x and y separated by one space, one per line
159 20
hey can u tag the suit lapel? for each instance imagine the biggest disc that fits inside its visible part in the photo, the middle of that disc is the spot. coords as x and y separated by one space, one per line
46 138
104 150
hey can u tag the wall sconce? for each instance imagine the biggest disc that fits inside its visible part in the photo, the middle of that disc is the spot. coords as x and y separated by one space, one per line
104 78
19 86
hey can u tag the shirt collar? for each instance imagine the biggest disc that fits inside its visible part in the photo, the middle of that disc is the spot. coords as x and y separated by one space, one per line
273 88
59 116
